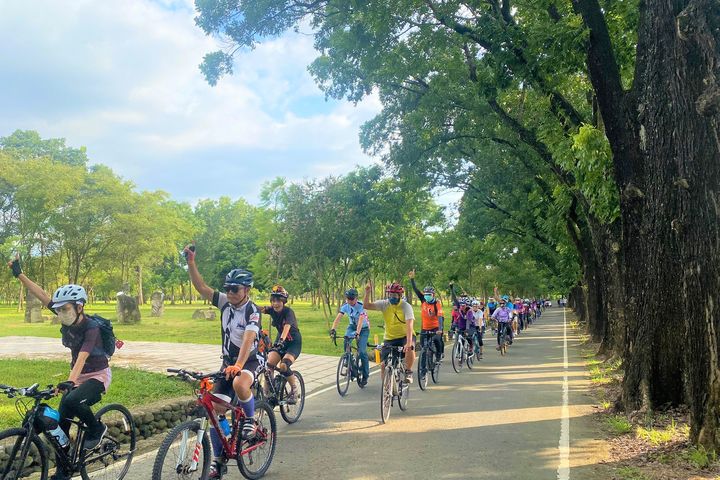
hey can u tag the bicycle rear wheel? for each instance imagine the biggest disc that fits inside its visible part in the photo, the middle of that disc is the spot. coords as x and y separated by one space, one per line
111 459
457 356
342 377
359 370
20 460
177 452
254 456
422 370
386 394
291 412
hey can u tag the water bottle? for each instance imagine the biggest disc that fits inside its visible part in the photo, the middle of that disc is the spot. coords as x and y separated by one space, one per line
52 417
224 425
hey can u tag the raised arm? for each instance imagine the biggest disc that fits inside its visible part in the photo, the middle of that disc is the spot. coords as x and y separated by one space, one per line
366 300
32 287
417 291
195 277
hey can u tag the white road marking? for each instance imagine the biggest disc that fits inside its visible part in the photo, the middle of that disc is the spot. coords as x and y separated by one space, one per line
563 471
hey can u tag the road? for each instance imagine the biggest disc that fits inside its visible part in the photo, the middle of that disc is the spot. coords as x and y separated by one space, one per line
505 419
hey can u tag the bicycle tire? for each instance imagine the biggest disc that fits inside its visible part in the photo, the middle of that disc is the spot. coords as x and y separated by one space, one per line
343 381
291 412
457 356
386 395
186 429
120 432
469 359
435 372
422 371
403 391
265 418
359 368
36 448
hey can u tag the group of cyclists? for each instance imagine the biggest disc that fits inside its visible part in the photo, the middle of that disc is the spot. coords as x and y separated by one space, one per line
241 334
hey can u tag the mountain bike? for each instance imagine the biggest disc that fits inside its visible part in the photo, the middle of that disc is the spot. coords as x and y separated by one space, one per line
185 451
394 385
349 367
275 389
504 338
23 453
462 352
427 360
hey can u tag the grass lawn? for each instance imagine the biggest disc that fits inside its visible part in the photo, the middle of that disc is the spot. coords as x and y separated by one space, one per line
177 325
130 387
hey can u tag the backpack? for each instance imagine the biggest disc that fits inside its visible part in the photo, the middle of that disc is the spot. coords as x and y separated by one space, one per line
106 332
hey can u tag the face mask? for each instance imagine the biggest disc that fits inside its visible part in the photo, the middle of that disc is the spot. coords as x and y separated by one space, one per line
67 317
394 301
429 298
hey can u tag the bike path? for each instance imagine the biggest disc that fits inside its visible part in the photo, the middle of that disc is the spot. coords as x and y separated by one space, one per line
505 419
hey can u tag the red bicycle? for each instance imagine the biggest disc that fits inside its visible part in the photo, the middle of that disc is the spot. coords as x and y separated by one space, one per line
186 454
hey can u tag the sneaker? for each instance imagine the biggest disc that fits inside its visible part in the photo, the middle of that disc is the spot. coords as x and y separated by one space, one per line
363 381
497 348
217 470
291 398
409 376
249 429
93 439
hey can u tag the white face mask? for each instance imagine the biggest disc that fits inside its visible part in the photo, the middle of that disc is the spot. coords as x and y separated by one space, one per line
67 317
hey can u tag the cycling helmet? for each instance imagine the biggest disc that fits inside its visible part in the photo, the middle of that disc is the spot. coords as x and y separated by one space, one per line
505 297
351 293
394 288
475 303
69 294
429 290
239 276
279 292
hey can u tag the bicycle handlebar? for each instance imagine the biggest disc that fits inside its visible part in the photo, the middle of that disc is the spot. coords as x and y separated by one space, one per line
31 391
188 374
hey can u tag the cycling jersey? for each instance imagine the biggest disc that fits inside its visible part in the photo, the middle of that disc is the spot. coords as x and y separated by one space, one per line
502 314
234 322
355 313
492 306
479 317
430 313
396 317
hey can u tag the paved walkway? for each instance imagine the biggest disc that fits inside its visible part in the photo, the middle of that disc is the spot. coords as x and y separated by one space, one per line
317 370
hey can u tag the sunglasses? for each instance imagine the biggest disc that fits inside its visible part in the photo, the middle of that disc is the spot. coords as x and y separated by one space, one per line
231 288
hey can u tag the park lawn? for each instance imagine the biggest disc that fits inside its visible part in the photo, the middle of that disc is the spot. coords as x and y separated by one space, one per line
178 326
130 387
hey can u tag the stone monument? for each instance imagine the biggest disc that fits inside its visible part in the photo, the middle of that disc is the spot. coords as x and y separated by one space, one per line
157 300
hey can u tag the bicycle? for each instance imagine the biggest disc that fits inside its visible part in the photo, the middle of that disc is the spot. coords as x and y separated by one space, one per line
427 360
349 367
186 448
275 391
462 352
394 384
504 338
23 453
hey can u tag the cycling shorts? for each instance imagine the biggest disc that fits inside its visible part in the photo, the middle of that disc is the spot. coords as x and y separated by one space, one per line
388 344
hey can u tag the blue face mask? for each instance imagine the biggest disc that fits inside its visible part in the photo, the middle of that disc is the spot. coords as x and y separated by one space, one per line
394 301
429 298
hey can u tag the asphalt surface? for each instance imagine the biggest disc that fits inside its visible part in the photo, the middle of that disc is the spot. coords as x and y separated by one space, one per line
502 420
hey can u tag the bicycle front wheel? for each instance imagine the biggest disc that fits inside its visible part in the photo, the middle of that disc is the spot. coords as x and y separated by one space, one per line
434 367
342 378
255 455
22 456
422 370
180 447
457 356
469 359
291 407
403 391
111 459
386 395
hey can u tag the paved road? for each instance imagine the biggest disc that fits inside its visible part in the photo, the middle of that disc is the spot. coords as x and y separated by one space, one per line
503 420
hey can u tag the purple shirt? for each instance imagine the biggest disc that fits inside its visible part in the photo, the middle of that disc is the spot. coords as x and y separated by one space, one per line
502 314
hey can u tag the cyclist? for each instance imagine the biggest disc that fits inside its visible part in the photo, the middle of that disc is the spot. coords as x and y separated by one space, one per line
358 326
288 342
503 315
465 323
90 373
478 309
398 317
432 316
240 321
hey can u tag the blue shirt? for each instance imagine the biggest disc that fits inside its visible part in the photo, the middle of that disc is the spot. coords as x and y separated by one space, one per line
354 312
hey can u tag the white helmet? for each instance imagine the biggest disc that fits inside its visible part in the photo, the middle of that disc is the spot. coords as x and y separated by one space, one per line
475 303
67 294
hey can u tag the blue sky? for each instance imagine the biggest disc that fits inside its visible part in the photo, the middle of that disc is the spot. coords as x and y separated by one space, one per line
122 79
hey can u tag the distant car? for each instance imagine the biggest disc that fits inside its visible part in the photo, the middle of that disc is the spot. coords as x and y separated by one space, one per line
548 303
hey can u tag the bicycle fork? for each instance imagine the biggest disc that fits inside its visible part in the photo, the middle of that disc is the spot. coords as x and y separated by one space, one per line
196 450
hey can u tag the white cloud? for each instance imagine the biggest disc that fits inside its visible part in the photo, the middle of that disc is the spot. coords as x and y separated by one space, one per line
123 79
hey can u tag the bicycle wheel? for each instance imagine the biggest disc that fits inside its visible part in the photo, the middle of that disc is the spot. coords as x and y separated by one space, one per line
111 459
254 456
291 412
403 390
22 456
469 358
434 367
342 378
359 369
386 394
177 452
457 356
422 370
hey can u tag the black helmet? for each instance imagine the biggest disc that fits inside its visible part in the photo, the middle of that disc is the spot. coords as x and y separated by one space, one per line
429 290
239 276
351 293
